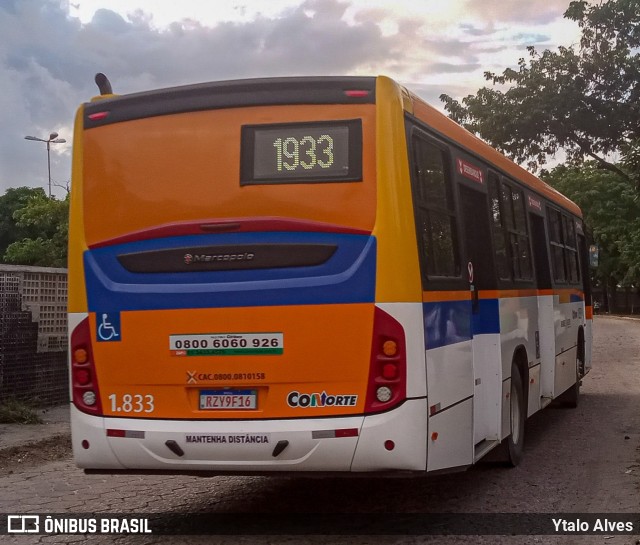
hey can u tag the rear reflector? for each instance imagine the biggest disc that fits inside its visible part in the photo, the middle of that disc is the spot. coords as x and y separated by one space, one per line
132 434
349 432
331 434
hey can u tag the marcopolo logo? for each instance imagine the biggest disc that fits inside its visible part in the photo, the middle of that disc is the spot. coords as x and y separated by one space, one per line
208 258
315 400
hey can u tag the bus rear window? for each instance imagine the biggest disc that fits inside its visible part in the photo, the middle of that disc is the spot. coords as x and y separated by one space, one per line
301 153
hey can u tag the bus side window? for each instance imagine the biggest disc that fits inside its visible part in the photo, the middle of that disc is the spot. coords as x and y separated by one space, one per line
557 245
434 211
570 250
510 232
500 246
519 236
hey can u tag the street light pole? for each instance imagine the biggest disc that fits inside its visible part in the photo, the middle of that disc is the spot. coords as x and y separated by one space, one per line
53 139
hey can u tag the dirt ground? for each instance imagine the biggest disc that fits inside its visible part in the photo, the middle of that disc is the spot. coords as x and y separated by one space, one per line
582 460
19 458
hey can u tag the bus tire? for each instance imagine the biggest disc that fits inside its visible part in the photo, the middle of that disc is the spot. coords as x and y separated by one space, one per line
512 447
571 397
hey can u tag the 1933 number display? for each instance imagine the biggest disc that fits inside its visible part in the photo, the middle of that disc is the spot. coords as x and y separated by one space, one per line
302 152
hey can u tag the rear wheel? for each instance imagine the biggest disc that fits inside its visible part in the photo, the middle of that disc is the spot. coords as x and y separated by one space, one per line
513 446
571 396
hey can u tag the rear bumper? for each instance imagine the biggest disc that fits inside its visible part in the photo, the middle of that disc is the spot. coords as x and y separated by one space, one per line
250 446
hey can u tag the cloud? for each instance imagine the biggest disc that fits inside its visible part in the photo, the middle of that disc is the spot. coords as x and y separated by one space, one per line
472 30
530 38
449 68
48 58
109 22
533 12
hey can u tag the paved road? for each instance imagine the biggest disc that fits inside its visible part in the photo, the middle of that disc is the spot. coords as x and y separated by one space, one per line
576 460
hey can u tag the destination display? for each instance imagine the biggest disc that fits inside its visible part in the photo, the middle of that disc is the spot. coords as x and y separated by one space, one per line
302 152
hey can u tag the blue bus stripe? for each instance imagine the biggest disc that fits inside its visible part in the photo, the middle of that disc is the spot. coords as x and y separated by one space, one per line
347 277
451 322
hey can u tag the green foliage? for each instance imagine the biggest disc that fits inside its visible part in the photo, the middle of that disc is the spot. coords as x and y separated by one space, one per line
14 199
17 412
611 209
47 219
584 99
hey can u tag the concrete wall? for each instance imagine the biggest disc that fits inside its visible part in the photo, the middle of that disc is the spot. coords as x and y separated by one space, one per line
33 334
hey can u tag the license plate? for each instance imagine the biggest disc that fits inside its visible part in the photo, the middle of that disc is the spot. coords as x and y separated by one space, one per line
228 400
227 344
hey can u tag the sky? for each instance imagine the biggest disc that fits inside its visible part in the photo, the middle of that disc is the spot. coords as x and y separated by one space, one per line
50 51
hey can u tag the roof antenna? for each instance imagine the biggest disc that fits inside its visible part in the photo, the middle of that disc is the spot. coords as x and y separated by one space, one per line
103 83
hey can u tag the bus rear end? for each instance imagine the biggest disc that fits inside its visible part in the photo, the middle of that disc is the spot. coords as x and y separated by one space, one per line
223 283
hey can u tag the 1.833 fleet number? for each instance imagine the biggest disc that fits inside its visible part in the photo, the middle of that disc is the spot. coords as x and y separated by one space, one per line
132 403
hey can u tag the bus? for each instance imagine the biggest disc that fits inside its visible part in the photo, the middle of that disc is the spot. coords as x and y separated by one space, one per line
311 274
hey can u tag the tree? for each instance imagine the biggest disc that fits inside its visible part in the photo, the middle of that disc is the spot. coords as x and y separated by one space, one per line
15 199
611 209
583 99
48 220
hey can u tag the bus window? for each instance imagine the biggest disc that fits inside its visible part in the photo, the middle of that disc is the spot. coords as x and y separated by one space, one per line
570 250
519 238
500 246
435 212
510 231
541 257
555 240
564 252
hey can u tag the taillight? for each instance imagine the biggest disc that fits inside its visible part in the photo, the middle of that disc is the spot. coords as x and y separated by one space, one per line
84 382
388 367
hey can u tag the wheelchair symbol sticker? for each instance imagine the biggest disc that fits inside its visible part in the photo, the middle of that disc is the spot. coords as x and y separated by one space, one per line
108 326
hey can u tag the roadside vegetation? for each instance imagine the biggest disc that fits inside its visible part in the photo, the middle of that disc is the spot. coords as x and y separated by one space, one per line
580 102
13 411
33 228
